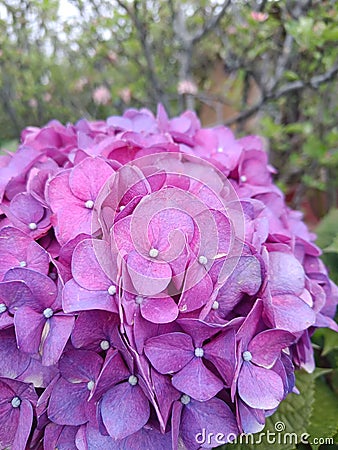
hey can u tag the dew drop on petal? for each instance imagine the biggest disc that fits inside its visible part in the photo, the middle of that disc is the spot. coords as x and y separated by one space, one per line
247 356
48 312
185 399
104 345
199 352
112 290
90 385
32 226
89 204
16 402
3 308
22 264
153 253
132 380
203 260
215 305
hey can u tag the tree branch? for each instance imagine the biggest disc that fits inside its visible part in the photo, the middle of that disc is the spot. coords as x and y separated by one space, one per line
287 88
212 23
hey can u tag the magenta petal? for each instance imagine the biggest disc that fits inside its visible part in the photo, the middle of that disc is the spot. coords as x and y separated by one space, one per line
222 353
286 274
197 381
266 347
165 393
196 295
124 410
29 325
13 362
149 277
259 387
170 352
60 328
75 298
80 366
159 310
24 425
292 313
221 420
68 403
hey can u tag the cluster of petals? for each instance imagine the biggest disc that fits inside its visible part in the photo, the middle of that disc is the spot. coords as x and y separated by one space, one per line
153 284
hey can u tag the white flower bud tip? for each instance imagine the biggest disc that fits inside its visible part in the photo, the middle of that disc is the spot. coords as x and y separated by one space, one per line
22 264
185 399
132 380
3 308
139 300
199 352
153 253
112 290
247 356
48 312
16 402
89 204
215 305
122 207
104 345
243 178
203 260
32 226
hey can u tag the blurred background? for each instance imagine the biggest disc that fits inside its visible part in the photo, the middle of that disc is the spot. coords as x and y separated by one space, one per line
265 67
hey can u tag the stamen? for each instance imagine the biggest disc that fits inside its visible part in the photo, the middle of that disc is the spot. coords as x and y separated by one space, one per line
90 385
215 305
139 300
247 356
153 253
48 312
32 226
203 260
22 264
185 399
3 308
16 402
199 352
243 178
133 380
104 345
112 290
89 204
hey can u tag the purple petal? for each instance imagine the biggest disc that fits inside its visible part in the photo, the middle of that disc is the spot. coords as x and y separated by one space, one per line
251 324
291 313
170 352
60 437
266 347
124 410
252 420
80 366
60 328
12 361
24 425
195 295
159 310
195 428
26 208
286 274
75 298
165 393
29 325
259 387
197 381
68 403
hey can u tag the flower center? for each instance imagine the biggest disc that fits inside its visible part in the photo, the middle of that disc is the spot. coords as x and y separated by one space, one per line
48 312
104 345
138 300
89 204
220 150
22 264
153 253
3 308
185 399
90 385
112 290
203 260
247 356
122 207
199 352
16 402
132 380
215 305
32 226
243 178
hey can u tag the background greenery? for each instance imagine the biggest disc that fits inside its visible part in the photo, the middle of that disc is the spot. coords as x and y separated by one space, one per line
267 67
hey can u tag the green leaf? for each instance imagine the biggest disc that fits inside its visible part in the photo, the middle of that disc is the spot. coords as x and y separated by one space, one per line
293 415
324 420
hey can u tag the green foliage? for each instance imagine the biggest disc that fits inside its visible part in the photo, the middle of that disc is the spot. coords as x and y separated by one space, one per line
327 239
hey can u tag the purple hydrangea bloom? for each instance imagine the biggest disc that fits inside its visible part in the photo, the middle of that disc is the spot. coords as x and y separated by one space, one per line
154 286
